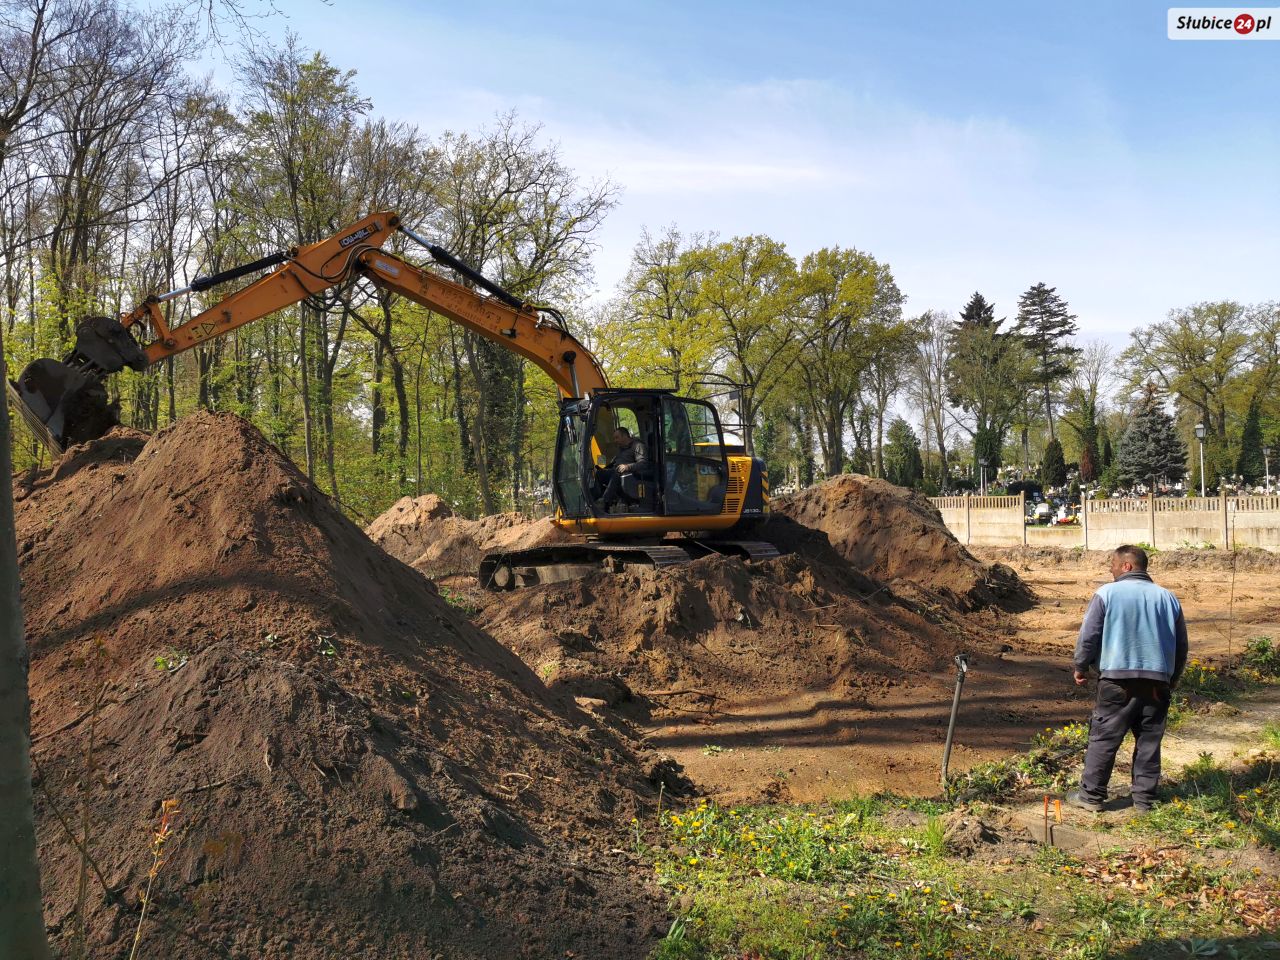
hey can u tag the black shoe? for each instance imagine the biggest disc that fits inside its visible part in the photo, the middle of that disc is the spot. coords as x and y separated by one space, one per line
1141 807
1074 799
603 507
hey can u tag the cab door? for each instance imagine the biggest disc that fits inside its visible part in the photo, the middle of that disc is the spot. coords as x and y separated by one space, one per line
694 470
573 446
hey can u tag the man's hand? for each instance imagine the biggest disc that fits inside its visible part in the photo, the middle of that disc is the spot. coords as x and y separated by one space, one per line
1081 678
624 468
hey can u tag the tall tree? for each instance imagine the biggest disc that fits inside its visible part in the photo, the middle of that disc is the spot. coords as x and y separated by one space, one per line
932 359
1201 355
1046 326
988 373
1083 405
748 292
902 462
1151 450
1250 464
851 307
661 331
1053 468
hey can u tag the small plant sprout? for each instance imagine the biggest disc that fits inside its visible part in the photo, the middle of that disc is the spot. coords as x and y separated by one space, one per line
171 661
159 839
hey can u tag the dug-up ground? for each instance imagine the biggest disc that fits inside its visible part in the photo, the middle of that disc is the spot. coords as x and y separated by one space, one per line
360 771
373 758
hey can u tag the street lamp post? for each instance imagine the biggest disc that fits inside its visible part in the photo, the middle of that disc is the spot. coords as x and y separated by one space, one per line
1200 437
984 463
1266 466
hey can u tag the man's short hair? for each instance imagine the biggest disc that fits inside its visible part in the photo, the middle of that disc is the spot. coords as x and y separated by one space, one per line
1135 555
622 430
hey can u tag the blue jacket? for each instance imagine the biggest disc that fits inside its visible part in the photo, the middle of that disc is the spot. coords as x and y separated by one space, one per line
1133 629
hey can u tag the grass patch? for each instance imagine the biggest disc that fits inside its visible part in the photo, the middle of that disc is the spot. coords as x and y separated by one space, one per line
846 881
1048 766
1211 806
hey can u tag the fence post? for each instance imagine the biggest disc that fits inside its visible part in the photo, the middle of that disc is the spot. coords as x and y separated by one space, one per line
1022 514
1226 529
1151 514
968 521
1084 519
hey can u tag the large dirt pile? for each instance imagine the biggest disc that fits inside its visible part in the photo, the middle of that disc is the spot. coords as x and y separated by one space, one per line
894 535
360 771
425 533
722 631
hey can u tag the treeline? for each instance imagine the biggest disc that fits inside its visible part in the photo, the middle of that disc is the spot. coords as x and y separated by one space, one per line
122 175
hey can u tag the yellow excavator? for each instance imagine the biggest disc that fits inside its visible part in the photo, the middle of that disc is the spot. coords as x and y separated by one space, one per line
693 494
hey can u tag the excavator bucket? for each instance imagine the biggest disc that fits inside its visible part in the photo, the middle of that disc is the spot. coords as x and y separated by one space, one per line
62 405
65 403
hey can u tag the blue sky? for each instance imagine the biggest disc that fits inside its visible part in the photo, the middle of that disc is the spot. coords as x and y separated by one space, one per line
971 146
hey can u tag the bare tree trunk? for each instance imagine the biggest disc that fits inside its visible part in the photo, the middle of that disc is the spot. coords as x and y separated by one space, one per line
21 917
308 441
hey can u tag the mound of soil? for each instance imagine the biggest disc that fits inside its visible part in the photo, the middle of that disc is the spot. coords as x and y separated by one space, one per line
720 631
426 534
893 535
360 771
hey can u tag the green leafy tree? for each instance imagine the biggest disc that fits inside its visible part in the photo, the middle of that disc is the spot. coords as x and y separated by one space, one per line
1151 450
1046 326
1053 468
748 295
902 462
988 374
847 298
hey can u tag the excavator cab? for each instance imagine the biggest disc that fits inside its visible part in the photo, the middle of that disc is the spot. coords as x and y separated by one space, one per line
686 472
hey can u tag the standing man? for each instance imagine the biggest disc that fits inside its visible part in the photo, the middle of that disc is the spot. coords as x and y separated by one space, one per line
1135 635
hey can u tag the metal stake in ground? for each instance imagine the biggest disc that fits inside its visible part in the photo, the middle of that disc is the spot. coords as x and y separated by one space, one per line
962 668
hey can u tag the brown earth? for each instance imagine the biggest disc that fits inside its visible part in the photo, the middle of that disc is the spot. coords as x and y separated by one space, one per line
825 672
1226 597
896 536
426 534
361 772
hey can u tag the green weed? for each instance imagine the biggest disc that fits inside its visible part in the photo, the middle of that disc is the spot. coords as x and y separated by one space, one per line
1211 806
1262 658
171 660
1047 766
1206 680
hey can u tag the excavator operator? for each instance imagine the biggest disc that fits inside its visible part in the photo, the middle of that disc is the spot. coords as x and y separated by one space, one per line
631 461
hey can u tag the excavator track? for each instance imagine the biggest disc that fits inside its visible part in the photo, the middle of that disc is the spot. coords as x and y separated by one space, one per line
512 570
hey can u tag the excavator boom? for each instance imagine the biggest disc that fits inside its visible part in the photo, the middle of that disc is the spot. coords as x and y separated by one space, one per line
65 402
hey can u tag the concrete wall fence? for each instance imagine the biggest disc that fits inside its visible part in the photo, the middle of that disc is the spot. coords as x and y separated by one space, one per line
1166 523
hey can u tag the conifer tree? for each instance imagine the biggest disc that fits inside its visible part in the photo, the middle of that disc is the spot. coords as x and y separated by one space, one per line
1249 464
1046 326
1150 449
902 462
1053 469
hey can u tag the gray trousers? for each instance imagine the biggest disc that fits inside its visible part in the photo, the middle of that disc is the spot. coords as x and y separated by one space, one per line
1140 706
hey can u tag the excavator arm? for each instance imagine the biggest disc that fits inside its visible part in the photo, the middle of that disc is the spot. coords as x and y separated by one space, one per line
65 402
